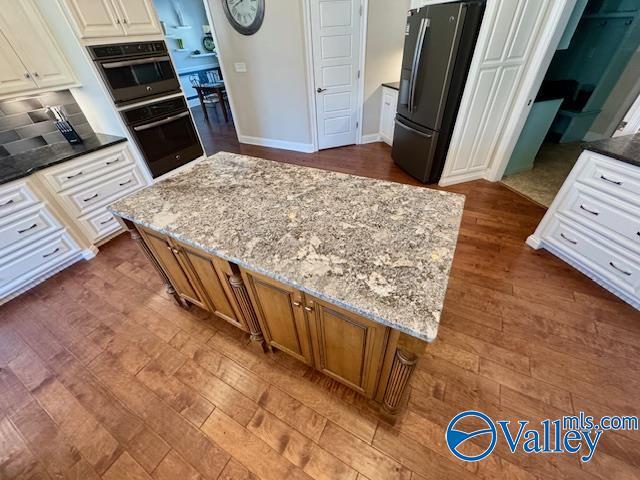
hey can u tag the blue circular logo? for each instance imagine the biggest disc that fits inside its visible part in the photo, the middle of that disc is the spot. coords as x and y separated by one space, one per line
455 437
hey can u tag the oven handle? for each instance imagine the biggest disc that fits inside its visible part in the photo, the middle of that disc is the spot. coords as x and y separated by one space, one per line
139 61
160 122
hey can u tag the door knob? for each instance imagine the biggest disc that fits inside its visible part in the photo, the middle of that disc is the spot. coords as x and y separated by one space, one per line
320 90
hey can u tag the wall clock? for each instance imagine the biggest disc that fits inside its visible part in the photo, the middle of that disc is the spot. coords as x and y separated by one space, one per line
244 15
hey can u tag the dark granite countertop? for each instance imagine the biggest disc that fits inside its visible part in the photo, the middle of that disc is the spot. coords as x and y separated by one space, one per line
13 167
394 85
625 149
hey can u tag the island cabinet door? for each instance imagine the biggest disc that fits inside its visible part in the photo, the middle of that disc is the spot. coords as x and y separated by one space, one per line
281 315
166 254
346 347
203 272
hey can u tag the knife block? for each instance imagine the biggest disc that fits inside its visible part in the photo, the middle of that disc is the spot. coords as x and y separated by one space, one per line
67 130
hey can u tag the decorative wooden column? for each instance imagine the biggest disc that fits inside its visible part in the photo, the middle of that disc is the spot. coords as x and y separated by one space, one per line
135 235
401 357
242 296
404 362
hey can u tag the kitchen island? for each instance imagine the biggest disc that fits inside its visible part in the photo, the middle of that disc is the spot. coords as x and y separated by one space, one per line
345 273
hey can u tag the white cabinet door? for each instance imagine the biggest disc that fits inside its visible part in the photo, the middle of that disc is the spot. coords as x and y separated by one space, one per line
95 18
34 44
138 17
14 76
388 114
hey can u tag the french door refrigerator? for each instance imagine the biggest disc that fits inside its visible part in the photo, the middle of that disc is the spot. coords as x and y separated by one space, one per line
439 44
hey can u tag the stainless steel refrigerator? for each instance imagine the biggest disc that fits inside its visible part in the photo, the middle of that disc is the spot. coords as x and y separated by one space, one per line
439 44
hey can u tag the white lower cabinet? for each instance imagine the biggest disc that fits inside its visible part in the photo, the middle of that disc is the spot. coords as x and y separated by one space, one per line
388 114
34 244
85 186
594 224
56 216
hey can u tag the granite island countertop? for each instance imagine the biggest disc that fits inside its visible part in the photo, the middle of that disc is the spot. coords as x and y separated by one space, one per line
380 249
625 148
13 167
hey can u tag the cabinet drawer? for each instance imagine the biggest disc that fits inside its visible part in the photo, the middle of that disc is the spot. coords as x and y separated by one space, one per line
14 197
100 224
86 168
22 228
33 260
621 269
604 214
611 176
87 198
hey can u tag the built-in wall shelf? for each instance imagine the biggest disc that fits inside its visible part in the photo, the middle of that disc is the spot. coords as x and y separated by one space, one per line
180 49
182 27
203 55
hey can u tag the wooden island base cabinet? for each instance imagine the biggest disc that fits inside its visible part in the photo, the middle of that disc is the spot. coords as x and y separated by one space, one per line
368 357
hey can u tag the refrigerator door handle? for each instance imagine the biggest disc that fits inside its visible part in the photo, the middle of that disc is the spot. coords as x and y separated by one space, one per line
413 130
417 54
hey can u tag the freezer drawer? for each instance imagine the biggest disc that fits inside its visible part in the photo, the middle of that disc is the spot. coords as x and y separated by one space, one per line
414 149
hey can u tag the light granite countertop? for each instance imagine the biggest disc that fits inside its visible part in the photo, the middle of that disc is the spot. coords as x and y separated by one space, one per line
380 249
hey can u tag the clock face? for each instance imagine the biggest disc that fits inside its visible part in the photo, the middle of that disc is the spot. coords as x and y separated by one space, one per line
245 15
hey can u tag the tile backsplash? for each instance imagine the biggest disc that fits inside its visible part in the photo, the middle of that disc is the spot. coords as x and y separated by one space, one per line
25 125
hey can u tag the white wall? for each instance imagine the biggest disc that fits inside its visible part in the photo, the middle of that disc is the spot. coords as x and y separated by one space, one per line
270 100
385 41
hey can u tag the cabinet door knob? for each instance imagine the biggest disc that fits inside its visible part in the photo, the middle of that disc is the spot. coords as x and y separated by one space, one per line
35 74
27 75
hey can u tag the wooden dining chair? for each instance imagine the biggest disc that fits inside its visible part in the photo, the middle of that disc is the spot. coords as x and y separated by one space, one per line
209 98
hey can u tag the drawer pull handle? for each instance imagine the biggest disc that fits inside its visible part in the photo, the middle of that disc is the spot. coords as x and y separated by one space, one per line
582 207
27 229
69 177
126 183
7 203
308 309
296 304
573 242
113 161
90 198
624 272
107 221
52 253
610 181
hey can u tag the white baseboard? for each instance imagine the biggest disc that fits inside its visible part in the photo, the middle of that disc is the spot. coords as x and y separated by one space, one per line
273 143
371 138
465 177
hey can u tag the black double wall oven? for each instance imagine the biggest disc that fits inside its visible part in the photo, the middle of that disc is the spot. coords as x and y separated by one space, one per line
145 88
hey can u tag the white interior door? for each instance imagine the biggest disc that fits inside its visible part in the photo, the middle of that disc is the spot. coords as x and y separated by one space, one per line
335 31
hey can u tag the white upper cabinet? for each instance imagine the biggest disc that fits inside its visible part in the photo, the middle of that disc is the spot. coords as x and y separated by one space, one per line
138 17
14 76
113 18
29 50
95 18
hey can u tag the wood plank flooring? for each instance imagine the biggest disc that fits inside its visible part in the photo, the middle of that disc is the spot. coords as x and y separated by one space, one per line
102 376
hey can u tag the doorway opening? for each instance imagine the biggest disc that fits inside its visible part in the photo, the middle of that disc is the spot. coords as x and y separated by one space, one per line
590 86
190 38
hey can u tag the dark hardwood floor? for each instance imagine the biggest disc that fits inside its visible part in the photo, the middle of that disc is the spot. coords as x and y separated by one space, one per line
102 376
